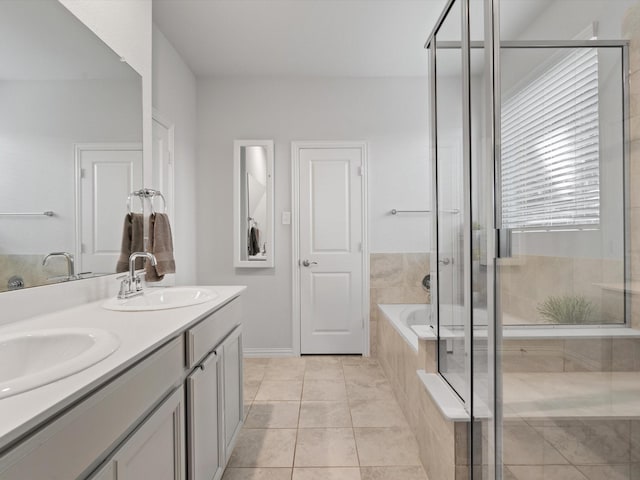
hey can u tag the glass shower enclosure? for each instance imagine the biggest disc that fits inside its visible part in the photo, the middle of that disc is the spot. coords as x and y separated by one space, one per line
534 134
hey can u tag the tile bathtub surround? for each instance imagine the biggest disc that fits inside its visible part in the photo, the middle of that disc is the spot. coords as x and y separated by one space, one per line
322 418
441 443
395 278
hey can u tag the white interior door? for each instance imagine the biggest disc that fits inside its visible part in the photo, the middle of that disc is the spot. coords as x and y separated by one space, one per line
108 173
162 169
330 248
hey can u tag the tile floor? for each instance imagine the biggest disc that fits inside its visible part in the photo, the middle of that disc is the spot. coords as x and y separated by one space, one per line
322 418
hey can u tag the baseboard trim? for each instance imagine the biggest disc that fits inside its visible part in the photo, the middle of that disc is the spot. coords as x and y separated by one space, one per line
269 352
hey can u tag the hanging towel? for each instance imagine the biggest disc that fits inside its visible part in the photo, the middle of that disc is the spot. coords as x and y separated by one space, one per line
132 241
161 245
254 241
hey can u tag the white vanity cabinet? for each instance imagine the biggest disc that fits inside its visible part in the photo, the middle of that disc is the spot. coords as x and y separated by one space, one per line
214 392
73 444
156 450
173 414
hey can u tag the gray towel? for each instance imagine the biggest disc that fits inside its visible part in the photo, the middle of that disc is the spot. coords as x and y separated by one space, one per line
161 245
132 241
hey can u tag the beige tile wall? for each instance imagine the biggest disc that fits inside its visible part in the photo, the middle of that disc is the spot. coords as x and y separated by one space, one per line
571 355
528 280
395 278
631 30
30 268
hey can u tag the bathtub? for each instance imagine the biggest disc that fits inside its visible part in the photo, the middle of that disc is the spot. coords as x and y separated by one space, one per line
411 321
414 322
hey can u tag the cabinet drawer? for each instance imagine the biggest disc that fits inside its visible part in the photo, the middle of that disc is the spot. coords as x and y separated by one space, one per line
211 331
76 441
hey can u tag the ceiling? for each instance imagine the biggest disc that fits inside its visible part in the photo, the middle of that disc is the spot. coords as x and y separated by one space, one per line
335 38
373 38
42 40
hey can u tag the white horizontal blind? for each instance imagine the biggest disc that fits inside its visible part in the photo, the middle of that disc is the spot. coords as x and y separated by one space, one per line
550 147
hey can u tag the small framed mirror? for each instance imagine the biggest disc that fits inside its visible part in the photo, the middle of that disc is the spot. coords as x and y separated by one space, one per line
253 203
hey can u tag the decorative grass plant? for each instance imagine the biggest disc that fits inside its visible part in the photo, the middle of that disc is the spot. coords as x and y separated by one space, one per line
568 309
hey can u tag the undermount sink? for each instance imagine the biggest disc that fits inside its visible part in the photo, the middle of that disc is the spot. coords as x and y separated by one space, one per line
35 358
172 297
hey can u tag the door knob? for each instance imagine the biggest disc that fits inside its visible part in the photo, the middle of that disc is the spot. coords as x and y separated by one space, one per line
307 263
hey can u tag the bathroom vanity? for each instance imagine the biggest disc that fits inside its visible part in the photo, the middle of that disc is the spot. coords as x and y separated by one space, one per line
167 404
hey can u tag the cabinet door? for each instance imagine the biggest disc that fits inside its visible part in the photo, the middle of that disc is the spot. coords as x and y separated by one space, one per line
154 451
108 472
231 349
204 426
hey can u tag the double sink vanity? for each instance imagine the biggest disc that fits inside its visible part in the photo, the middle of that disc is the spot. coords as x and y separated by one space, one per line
144 388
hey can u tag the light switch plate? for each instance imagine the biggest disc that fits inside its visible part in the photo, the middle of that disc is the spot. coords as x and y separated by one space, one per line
286 218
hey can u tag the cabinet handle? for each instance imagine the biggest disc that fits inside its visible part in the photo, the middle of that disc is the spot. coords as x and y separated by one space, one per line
208 358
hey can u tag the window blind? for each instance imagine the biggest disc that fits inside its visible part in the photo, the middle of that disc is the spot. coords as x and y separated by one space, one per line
550 147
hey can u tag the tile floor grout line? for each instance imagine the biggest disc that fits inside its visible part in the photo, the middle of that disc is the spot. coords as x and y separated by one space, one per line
353 430
295 444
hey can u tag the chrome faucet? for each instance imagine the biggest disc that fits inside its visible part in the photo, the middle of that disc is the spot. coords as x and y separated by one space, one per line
71 273
131 284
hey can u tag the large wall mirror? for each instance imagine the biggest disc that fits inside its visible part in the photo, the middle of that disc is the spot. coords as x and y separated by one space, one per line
253 203
70 146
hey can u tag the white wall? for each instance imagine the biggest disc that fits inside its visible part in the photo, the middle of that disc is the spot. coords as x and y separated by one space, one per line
125 26
174 97
40 123
390 114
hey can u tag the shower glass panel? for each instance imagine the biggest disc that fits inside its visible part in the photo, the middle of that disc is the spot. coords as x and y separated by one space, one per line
561 190
450 198
537 206
570 392
562 173
482 333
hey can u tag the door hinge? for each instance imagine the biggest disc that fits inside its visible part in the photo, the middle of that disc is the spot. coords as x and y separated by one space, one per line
360 171
82 172
83 248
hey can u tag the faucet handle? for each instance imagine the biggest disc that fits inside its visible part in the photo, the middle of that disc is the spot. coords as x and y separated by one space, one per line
139 276
125 285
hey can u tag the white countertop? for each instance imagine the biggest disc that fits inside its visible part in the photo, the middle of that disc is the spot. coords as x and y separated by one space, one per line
139 332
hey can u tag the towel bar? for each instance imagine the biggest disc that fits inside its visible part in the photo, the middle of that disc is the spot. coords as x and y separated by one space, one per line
395 212
147 193
48 213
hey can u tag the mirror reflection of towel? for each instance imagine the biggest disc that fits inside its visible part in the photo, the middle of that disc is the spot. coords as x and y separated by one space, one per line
161 245
132 241
254 241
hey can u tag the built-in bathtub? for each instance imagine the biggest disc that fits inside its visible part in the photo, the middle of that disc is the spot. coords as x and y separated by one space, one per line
408 320
414 322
